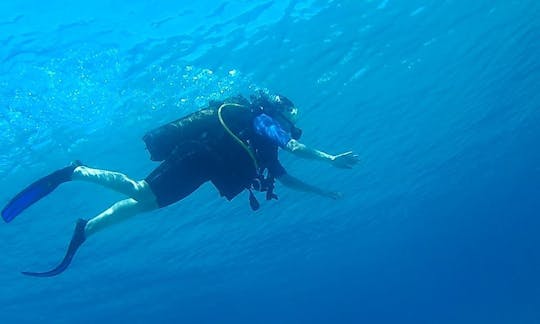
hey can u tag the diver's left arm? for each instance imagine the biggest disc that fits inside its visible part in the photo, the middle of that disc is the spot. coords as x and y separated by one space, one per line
297 184
345 160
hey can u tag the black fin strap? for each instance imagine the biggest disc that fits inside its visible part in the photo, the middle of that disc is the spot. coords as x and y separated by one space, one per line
253 202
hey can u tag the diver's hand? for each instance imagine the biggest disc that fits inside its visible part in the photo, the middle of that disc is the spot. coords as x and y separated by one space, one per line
345 160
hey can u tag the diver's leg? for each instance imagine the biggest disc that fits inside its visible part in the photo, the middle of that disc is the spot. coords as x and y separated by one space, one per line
117 213
138 190
170 182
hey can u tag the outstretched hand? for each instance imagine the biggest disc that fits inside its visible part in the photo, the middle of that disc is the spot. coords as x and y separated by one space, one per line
345 160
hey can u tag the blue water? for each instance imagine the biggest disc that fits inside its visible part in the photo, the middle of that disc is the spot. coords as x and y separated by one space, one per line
439 222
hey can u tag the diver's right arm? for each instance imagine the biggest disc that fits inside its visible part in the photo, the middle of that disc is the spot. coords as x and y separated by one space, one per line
267 127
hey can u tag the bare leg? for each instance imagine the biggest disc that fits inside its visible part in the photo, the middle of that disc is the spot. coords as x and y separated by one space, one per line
141 199
117 213
119 182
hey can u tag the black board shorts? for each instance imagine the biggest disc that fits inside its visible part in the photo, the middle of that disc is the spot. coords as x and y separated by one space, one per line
185 170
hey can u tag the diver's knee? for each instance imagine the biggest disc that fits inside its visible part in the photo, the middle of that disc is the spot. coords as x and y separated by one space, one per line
143 188
145 193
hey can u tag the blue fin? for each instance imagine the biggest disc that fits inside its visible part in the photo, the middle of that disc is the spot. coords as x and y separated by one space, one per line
36 191
77 240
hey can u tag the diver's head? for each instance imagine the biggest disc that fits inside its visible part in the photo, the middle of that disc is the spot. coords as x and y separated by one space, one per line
284 108
280 108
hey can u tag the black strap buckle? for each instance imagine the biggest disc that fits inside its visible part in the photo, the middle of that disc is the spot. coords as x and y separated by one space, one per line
262 184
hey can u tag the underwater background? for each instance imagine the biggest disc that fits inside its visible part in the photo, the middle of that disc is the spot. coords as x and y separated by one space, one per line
439 222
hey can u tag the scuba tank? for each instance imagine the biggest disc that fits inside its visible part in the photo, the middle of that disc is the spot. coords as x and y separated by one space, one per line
202 125
161 141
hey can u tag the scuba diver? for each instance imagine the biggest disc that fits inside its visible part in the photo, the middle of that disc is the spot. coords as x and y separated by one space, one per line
233 144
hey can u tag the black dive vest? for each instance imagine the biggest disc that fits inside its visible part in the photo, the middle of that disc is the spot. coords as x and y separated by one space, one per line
236 170
201 126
